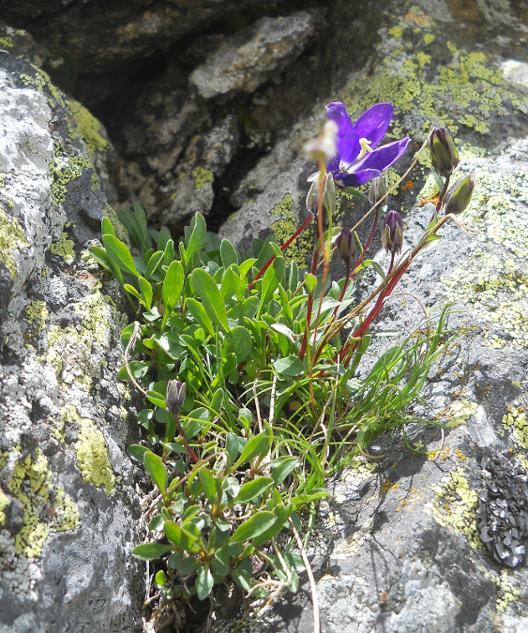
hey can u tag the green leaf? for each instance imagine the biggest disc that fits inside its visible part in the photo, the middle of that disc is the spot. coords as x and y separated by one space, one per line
156 399
173 285
218 400
106 227
197 239
146 291
200 315
153 264
309 497
208 484
211 298
159 578
137 452
238 342
258 445
353 192
187 566
156 523
283 466
103 259
150 551
253 489
289 366
119 254
245 266
311 281
232 447
181 538
204 582
253 526
156 469
228 253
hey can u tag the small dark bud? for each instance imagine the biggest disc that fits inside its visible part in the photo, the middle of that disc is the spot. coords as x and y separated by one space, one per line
378 189
459 196
393 232
175 396
444 155
346 246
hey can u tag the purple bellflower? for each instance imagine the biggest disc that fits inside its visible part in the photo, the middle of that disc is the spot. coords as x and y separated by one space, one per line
358 158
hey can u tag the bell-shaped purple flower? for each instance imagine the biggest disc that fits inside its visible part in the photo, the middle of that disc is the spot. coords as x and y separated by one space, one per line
393 232
359 159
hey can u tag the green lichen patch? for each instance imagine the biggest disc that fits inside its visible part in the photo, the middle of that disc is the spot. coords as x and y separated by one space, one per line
494 282
41 81
455 506
202 177
12 237
507 592
285 227
460 411
514 422
46 509
37 314
64 247
88 127
79 364
6 42
4 502
63 169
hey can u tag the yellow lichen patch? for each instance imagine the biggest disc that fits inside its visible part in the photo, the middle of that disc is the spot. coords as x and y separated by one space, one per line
37 313
455 506
507 592
63 170
6 42
202 177
12 237
92 454
516 421
460 411
88 127
286 226
4 502
64 248
45 510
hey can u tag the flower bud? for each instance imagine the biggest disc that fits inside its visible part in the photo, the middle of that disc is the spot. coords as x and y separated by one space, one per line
393 232
346 246
444 155
323 148
378 189
175 396
459 196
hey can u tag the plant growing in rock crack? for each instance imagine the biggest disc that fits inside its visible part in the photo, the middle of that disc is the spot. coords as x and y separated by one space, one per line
254 390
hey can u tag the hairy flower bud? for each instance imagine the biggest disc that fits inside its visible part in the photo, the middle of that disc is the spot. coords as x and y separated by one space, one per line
444 155
324 147
393 232
175 396
346 246
459 196
378 189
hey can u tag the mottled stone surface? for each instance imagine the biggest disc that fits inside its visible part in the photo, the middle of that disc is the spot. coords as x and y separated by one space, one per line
68 505
253 55
101 35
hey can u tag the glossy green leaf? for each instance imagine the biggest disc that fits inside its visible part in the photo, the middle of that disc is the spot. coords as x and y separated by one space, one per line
204 582
106 227
156 399
253 526
153 264
311 281
283 467
146 292
238 342
173 284
200 315
137 452
289 366
314 495
211 298
253 489
257 446
208 484
180 537
150 551
228 253
119 254
197 239
156 469
187 566
159 578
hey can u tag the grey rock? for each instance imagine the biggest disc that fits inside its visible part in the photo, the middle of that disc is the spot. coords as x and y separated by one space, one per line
253 55
101 36
69 509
